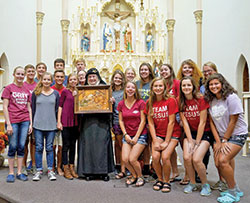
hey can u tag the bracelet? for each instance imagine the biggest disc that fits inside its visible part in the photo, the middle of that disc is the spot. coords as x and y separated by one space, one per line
125 134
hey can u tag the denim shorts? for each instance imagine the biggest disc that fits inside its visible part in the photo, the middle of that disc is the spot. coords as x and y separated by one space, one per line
238 139
142 139
163 138
207 136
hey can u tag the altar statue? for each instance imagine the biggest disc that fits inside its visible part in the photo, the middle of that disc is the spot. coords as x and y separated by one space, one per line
117 16
107 37
85 42
128 38
149 41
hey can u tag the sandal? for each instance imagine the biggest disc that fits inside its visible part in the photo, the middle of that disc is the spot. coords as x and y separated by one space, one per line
228 198
158 185
120 175
175 179
131 180
140 182
184 182
166 188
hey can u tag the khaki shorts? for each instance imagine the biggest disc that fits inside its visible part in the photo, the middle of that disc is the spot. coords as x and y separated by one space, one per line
58 139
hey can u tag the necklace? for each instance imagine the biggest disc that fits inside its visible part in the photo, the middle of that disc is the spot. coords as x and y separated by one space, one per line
129 104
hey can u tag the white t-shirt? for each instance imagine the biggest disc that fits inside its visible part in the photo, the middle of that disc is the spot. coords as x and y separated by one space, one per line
220 111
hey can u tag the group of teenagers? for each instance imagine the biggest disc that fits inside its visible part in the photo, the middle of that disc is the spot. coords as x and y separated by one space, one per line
151 116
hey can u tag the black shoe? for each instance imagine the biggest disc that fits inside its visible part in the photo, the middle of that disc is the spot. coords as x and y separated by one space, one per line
89 178
106 178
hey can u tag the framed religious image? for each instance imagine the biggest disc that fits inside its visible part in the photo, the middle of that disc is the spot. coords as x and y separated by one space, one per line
93 99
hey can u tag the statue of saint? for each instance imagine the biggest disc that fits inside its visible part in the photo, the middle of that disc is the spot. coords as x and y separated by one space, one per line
149 41
85 42
107 37
117 16
128 38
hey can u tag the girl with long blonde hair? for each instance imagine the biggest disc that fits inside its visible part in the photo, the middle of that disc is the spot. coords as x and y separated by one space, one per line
45 102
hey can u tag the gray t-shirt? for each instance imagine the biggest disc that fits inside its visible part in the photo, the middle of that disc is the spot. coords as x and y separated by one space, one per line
144 91
45 111
118 95
220 111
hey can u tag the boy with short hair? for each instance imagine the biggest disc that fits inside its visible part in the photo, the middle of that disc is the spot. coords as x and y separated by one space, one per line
80 65
59 64
59 77
41 68
30 84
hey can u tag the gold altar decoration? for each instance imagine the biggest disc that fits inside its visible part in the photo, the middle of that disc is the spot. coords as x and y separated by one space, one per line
117 13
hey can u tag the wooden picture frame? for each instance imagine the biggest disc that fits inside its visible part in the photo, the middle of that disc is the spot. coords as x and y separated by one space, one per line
93 99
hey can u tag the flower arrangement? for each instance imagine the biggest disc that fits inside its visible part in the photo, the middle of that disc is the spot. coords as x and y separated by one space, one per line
3 141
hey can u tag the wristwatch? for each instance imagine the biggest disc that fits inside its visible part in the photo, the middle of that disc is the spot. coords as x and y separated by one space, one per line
223 140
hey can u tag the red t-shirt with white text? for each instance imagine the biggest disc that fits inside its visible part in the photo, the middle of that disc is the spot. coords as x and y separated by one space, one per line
162 110
132 117
18 98
192 113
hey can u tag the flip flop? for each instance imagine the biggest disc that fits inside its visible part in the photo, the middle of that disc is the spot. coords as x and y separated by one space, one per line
175 179
184 182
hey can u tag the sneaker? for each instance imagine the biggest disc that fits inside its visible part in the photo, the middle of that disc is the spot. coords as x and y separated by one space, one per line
206 190
10 178
24 171
238 193
37 176
51 175
190 188
22 177
220 185
228 198
33 170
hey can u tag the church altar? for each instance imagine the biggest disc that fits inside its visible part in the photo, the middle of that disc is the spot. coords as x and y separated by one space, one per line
117 34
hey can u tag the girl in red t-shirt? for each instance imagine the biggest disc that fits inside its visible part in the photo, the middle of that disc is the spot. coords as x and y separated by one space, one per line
132 122
17 114
193 113
164 130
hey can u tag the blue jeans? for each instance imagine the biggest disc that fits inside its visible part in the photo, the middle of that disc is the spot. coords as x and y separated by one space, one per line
18 138
39 137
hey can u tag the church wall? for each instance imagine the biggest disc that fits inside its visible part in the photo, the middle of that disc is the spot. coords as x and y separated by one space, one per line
18 33
184 32
226 35
225 31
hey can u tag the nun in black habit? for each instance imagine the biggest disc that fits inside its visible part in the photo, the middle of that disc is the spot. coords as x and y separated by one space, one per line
95 154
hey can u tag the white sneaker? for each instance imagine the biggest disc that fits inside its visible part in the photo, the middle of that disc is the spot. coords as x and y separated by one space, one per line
51 175
37 176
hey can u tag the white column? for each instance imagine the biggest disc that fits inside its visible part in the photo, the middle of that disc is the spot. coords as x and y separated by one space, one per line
170 9
65 9
39 5
39 22
199 4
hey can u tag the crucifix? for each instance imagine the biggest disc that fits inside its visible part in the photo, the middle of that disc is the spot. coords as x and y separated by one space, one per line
117 15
